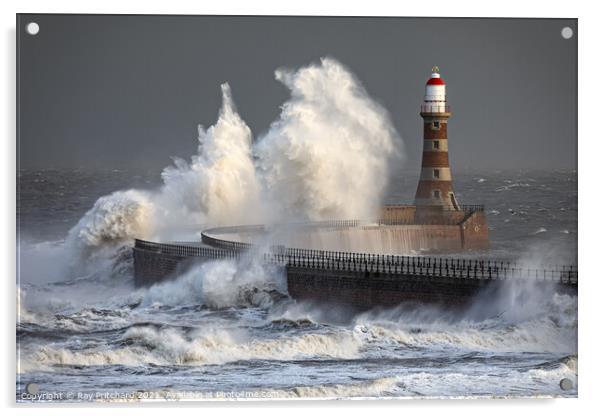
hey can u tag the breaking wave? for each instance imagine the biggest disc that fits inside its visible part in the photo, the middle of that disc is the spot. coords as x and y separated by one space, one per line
327 156
220 284
538 335
173 346
219 185
116 218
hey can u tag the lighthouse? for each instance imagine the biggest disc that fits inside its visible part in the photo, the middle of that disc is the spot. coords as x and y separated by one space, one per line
435 189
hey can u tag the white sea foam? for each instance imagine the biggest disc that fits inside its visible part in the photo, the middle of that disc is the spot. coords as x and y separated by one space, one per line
369 388
537 335
220 284
23 314
471 383
328 154
219 185
476 383
171 346
115 218
444 384
518 317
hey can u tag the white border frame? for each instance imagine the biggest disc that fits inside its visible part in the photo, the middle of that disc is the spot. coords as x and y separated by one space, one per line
588 34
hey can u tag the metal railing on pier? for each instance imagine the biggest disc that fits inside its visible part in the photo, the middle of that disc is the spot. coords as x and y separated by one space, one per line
183 250
434 267
472 208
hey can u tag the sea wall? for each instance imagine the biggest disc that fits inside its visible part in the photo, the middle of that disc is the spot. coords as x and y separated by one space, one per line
475 232
398 212
369 289
365 290
380 239
151 267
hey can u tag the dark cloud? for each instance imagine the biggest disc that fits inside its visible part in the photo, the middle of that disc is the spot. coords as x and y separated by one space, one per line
117 91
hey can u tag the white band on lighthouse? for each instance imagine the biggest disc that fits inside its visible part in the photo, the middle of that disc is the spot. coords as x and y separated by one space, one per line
435 174
434 93
435 145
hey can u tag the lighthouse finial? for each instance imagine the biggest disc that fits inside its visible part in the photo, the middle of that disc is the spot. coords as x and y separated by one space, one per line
435 69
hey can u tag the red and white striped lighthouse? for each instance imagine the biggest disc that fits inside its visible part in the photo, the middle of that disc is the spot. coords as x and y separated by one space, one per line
435 187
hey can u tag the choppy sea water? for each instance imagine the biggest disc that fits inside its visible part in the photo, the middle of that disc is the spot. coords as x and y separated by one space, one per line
222 332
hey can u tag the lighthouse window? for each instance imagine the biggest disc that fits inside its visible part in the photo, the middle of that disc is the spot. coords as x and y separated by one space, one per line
436 125
436 173
437 194
436 144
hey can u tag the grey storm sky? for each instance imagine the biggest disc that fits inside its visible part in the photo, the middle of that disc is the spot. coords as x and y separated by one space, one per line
128 91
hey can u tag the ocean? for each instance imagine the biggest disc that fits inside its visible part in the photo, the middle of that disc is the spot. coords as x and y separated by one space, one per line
87 334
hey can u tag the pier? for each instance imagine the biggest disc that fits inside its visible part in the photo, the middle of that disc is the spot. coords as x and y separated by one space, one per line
361 280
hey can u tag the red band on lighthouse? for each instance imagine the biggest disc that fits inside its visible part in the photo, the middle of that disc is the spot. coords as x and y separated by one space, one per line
435 81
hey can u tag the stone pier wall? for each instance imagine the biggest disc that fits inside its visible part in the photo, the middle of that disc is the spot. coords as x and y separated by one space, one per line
475 232
390 239
152 267
365 290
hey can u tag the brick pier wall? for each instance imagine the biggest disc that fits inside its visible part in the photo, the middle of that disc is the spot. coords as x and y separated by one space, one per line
390 239
475 232
398 212
365 290
458 230
152 267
